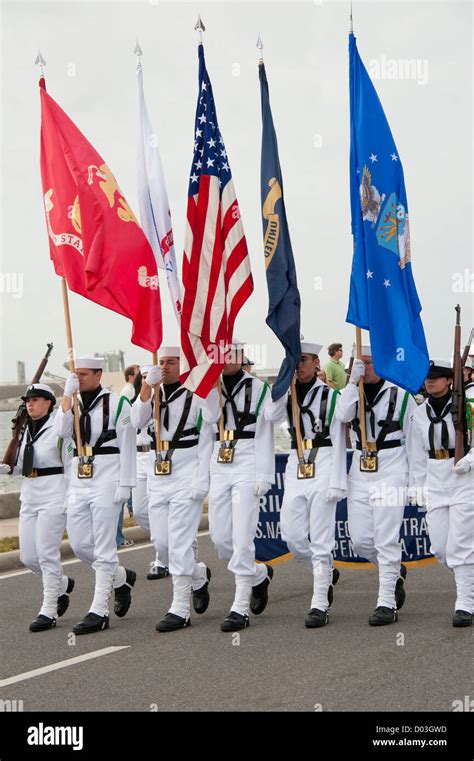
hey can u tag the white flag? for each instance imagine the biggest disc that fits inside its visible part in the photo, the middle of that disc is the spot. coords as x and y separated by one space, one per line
153 201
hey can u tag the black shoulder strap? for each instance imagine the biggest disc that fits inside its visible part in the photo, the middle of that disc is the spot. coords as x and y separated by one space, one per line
389 425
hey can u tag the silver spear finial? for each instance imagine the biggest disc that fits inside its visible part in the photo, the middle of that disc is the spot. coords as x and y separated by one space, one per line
260 47
138 52
39 61
199 27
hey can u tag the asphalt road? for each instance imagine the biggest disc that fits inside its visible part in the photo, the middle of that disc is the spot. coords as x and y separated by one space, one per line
421 663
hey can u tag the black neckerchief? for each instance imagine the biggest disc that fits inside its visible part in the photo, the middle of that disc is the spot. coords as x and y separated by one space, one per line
34 429
372 389
87 402
303 388
87 397
438 403
441 406
169 390
230 381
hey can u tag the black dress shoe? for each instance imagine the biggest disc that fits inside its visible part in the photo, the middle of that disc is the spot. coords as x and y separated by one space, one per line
91 623
259 598
158 572
400 593
382 616
201 597
335 579
123 594
462 618
171 622
316 618
63 600
42 623
234 622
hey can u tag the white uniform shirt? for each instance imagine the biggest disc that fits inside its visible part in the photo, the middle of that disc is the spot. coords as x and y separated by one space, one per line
190 465
254 458
329 460
392 463
442 485
107 468
50 451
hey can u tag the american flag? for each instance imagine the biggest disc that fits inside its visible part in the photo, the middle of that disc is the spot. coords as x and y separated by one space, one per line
216 267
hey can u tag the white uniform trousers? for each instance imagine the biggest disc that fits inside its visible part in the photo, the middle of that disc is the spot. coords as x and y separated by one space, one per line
92 518
374 529
41 529
307 523
451 530
174 523
140 503
233 519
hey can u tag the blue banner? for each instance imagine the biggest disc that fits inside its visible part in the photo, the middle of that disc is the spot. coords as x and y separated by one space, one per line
269 544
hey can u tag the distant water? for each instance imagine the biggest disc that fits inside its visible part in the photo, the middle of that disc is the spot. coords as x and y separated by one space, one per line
13 483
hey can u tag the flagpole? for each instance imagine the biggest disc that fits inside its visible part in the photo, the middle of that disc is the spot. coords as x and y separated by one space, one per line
296 422
39 61
72 366
363 432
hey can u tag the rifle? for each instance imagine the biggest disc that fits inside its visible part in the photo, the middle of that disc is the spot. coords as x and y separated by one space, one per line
458 403
21 417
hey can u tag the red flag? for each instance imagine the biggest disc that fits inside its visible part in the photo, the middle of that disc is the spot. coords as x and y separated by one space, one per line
95 241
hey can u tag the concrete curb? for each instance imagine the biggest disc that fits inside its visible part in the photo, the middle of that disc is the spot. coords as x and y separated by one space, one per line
10 561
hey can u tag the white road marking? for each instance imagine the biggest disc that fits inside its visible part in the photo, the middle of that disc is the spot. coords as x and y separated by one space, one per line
141 546
61 665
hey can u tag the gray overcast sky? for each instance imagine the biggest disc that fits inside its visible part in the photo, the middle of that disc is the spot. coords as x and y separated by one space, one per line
90 71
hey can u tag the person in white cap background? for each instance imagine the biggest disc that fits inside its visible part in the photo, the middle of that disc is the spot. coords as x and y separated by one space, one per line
99 485
43 460
377 494
308 511
242 470
444 488
178 482
158 570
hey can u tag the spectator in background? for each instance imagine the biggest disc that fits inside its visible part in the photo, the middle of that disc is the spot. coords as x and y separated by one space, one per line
334 370
128 390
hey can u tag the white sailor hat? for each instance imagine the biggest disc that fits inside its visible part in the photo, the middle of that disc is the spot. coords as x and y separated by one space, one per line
169 351
87 362
440 368
309 347
236 344
469 363
145 369
39 389
366 350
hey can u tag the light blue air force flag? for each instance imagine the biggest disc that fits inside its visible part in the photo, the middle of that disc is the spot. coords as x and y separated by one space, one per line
383 297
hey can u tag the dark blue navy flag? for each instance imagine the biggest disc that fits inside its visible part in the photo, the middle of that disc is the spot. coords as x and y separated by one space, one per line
383 297
284 298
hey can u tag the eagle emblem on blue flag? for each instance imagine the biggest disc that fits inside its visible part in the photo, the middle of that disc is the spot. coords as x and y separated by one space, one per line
393 229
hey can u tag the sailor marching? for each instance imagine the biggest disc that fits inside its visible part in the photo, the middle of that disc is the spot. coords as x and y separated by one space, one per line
313 488
444 488
242 470
178 482
100 482
43 461
378 479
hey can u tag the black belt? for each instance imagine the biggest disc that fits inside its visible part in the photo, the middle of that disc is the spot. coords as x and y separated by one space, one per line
179 445
314 442
241 435
99 450
440 454
143 447
37 472
384 445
